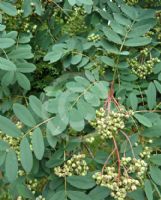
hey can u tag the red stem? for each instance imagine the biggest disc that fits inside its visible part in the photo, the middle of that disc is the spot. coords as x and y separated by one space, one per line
105 164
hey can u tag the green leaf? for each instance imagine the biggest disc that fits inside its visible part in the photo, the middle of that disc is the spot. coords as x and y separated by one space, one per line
52 140
2 157
155 174
100 89
138 41
99 192
7 78
6 43
89 75
75 87
92 99
143 120
53 56
130 11
151 96
139 31
7 65
59 195
156 159
108 61
37 107
137 195
38 143
4 146
158 86
154 131
8 127
23 81
81 182
72 2
133 101
121 19
86 110
76 59
56 125
112 36
76 120
21 52
86 2
148 190
25 67
8 8
81 80
24 115
76 195
26 157
24 191
11 166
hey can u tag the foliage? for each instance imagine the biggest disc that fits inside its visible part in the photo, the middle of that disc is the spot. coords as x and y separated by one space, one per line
80 100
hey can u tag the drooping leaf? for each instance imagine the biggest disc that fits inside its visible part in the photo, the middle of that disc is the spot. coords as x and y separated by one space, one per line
37 107
133 101
156 159
26 157
56 125
81 182
8 8
138 41
151 95
154 131
38 143
8 127
143 120
155 174
76 195
76 120
148 190
6 43
24 114
11 166
23 81
7 65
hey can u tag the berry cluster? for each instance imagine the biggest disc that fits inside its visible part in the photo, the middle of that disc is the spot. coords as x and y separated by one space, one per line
131 2
40 197
90 140
146 152
75 166
121 185
75 24
94 37
109 124
144 69
32 185
133 165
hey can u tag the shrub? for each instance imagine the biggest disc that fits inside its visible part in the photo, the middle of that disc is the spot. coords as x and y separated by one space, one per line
80 100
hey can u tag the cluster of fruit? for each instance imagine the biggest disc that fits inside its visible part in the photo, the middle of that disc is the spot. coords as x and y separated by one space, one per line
131 2
146 152
75 166
120 185
40 197
94 37
109 124
142 70
75 24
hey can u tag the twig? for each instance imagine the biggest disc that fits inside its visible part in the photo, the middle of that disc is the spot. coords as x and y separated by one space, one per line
105 164
129 143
